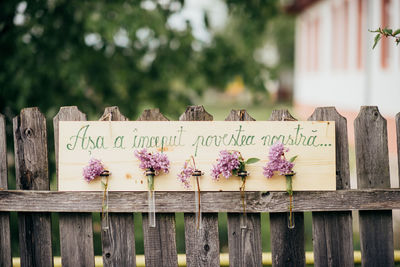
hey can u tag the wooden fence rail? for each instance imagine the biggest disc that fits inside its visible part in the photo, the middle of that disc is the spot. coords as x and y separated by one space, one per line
331 211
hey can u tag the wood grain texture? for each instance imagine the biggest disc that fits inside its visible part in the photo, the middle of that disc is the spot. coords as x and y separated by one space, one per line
76 239
5 237
372 159
3 155
76 230
118 242
244 244
332 231
397 119
159 241
31 169
196 113
152 115
202 245
287 245
52 201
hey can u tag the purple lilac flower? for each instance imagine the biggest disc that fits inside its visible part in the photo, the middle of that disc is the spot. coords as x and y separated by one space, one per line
94 169
157 161
185 174
144 157
277 161
226 163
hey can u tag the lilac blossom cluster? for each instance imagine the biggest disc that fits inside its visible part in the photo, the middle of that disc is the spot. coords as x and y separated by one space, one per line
226 163
277 161
94 169
156 162
185 174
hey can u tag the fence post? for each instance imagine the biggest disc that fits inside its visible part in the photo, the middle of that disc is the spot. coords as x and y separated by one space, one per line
76 229
202 245
244 243
5 239
287 245
159 242
118 241
397 119
372 159
332 231
31 169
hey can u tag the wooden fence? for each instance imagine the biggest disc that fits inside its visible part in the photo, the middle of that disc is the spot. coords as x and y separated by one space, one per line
331 211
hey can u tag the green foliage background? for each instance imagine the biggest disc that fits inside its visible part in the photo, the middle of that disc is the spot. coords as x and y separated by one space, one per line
45 62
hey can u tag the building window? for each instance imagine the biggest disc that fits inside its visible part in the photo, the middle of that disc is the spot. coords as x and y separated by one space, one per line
345 14
340 32
309 45
335 37
385 13
360 30
316 44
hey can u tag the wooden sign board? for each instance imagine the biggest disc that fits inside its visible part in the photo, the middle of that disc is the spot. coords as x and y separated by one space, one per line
114 143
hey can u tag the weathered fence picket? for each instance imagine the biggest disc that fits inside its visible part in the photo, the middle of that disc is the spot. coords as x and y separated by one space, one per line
5 241
244 243
159 241
31 171
331 217
333 231
372 159
202 245
287 245
118 242
76 229
397 120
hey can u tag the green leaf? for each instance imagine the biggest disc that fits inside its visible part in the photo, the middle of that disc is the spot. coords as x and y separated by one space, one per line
292 159
235 172
241 166
376 40
396 32
252 160
387 31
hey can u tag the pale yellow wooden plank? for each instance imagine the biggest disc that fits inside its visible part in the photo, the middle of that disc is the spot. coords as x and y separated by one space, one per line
313 142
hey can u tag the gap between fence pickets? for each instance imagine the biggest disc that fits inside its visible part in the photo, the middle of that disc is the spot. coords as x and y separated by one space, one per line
53 201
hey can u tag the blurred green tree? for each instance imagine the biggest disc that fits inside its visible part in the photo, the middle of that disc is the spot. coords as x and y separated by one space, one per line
98 53
126 53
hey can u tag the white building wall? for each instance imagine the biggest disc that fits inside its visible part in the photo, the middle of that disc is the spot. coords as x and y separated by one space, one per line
385 83
347 88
